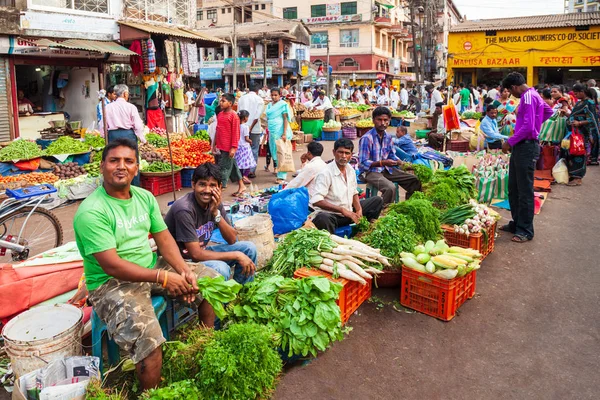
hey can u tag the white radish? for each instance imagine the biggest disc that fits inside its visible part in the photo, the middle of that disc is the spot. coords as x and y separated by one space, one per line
332 256
356 269
351 242
343 273
374 271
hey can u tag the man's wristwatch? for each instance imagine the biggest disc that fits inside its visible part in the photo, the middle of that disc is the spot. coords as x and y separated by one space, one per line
218 217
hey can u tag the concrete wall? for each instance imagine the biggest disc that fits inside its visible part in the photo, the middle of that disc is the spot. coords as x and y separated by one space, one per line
77 105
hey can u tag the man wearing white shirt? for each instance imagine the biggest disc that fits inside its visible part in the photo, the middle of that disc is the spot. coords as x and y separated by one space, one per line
345 92
306 176
493 93
436 97
336 193
394 98
403 97
323 103
254 104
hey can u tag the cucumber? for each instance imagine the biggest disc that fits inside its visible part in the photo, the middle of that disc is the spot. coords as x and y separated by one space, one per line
430 267
423 258
409 255
429 246
413 264
419 249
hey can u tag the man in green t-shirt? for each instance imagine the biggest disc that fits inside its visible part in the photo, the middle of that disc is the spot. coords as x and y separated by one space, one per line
465 98
111 230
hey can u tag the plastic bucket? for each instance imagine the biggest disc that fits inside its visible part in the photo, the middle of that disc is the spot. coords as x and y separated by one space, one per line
43 334
258 229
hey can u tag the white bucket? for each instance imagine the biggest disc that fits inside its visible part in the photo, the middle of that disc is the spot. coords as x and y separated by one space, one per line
258 229
41 335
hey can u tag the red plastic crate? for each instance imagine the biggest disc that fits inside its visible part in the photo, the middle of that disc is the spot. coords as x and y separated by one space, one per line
435 296
353 294
474 241
459 145
158 185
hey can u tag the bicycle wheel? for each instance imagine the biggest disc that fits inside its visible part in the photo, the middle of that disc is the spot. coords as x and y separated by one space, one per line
42 232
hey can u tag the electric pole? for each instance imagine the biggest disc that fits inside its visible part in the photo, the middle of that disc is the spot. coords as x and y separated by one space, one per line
414 37
264 43
234 57
328 75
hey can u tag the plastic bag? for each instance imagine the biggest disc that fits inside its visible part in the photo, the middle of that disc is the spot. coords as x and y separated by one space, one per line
560 172
288 210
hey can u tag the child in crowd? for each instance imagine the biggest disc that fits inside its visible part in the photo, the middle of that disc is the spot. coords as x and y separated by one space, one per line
227 140
243 156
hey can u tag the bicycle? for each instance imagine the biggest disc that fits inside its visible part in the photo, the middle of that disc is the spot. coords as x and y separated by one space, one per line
25 227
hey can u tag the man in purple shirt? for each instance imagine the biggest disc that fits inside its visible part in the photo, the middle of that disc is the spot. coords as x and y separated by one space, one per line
525 149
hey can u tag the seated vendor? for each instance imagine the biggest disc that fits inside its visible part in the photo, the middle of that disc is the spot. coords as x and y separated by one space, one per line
379 163
192 220
25 105
405 147
111 231
314 165
336 194
489 127
436 136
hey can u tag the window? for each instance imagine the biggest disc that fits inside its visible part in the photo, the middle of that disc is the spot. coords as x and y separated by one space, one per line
256 7
222 11
318 11
97 6
229 10
349 62
176 12
199 15
290 13
349 38
349 8
318 62
263 6
318 40
591 8
211 14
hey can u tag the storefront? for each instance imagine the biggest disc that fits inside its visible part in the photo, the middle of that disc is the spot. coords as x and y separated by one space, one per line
557 49
52 80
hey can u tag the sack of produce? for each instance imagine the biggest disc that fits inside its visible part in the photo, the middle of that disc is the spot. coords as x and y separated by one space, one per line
288 210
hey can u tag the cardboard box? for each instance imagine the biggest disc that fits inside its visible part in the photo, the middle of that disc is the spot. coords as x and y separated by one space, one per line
308 138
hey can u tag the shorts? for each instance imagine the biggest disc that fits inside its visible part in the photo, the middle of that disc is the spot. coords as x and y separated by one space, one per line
126 308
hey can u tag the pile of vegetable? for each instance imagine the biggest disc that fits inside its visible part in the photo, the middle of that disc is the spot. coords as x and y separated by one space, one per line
156 140
349 259
184 159
451 188
470 218
441 260
471 115
365 123
67 145
332 125
69 170
94 141
92 169
348 124
193 152
404 114
299 107
217 291
302 313
349 112
202 134
20 150
313 114
423 172
392 245
35 178
425 217
294 126
159 166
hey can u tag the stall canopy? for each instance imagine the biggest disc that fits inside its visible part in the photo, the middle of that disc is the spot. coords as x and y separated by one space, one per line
81 44
137 30
294 31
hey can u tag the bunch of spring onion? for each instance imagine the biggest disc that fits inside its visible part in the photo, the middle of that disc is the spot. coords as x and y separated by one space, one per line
470 218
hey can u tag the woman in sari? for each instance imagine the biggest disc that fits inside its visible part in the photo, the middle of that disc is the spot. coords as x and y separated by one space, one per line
561 102
507 107
279 115
583 119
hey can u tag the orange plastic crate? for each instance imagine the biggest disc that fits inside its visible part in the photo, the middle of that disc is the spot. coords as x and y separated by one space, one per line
353 294
158 185
435 296
474 241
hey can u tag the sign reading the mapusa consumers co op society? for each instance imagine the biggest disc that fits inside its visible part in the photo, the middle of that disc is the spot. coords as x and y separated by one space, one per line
332 19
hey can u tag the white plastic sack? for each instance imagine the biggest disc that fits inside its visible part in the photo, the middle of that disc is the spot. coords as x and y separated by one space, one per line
560 172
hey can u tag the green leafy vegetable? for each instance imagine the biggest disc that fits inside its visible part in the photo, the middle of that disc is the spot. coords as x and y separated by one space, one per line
94 141
391 245
363 224
20 150
422 172
157 140
67 145
425 217
95 391
159 166
201 135
181 358
185 389
218 291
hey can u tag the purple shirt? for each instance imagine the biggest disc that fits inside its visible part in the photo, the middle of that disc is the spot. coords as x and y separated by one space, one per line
123 115
532 113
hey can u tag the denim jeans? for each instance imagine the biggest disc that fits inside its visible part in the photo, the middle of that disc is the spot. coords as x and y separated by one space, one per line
224 267
255 137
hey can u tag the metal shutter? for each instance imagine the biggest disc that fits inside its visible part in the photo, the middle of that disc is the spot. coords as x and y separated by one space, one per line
4 101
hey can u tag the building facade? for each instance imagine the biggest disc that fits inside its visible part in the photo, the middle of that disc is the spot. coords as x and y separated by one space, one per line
573 6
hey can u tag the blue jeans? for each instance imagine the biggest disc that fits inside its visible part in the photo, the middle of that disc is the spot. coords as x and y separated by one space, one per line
224 267
255 137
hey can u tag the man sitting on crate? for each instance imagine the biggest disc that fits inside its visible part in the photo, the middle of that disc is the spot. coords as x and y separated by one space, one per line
192 220
111 230
336 196
379 163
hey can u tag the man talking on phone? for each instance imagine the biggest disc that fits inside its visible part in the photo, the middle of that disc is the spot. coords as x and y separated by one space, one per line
192 220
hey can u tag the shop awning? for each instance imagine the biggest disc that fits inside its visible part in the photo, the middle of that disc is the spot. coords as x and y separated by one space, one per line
172 31
81 44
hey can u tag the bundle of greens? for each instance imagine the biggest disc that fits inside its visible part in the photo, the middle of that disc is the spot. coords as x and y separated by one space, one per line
95 391
159 166
218 291
185 389
451 188
390 245
425 217
302 312
181 358
156 140
294 251
67 145
240 363
20 150
423 172
94 141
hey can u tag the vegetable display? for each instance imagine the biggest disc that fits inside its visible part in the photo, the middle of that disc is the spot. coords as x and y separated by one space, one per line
35 178
332 125
470 218
156 140
202 134
67 145
404 114
185 389
217 291
302 312
471 115
392 245
313 114
423 172
69 170
20 150
181 358
94 141
294 126
159 166
423 214
365 123
185 159
451 188
441 260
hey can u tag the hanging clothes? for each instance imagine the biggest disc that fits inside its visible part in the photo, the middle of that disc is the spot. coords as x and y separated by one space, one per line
177 58
145 55
137 65
155 119
178 97
152 97
170 50
184 59
194 64
151 56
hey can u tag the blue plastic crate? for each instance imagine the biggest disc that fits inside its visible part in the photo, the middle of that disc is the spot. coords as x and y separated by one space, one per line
345 231
186 177
395 122
178 314
331 136
200 127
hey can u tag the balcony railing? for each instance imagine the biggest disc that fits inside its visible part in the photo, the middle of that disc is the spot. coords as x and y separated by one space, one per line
7 3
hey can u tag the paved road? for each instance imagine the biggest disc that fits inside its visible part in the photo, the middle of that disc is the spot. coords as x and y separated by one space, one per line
531 331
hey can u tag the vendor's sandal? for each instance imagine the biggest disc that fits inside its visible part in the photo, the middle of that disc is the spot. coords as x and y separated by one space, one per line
507 228
246 181
575 182
267 169
520 239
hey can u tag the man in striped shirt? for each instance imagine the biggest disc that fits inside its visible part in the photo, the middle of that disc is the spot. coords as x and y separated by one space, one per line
525 149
